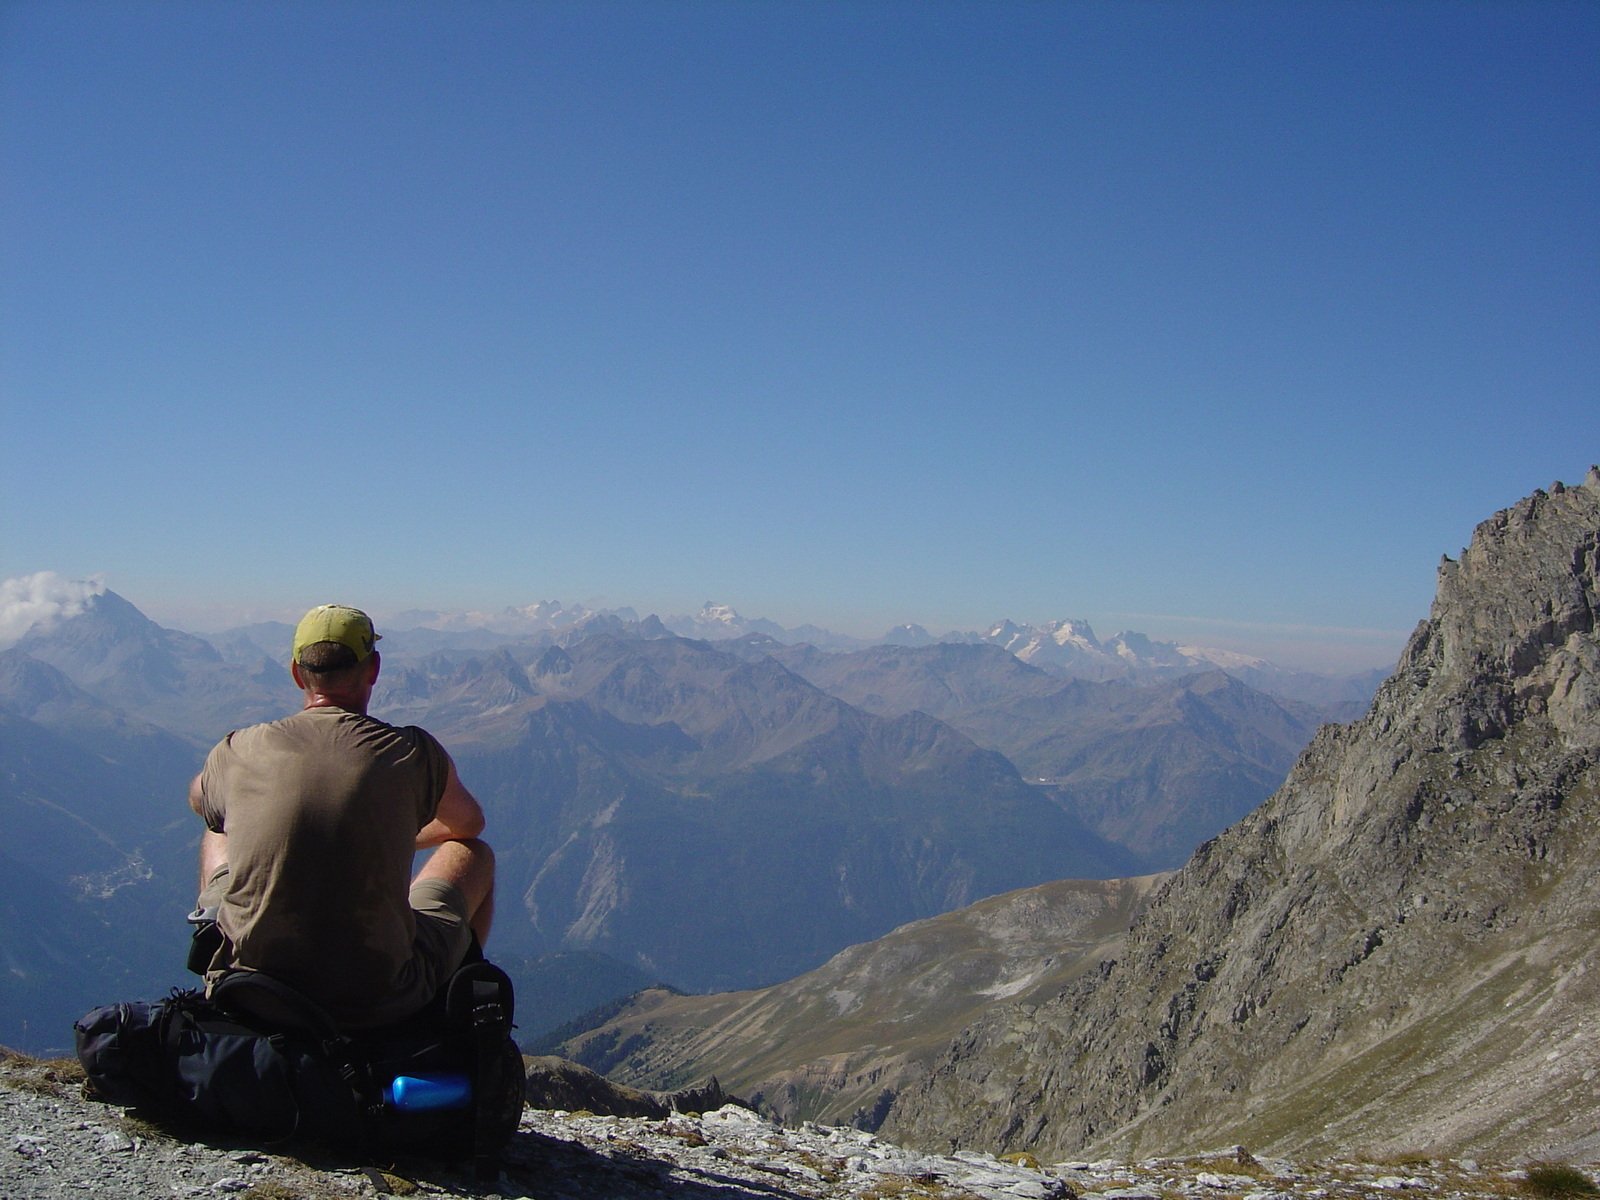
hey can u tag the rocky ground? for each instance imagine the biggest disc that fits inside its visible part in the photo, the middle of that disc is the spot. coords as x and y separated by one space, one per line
56 1144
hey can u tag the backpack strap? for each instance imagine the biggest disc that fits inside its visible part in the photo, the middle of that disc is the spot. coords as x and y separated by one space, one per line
479 1005
260 997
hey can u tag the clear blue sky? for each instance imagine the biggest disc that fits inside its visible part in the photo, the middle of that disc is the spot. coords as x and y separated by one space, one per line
1218 321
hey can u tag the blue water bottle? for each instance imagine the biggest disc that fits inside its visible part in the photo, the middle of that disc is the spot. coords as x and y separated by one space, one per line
421 1093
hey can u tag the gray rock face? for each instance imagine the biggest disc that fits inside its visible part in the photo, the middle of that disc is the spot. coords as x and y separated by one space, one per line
1394 952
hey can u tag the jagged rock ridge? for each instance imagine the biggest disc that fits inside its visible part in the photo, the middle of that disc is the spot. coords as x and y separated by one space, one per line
1393 953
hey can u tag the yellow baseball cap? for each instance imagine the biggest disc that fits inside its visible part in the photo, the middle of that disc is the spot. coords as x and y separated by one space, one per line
335 623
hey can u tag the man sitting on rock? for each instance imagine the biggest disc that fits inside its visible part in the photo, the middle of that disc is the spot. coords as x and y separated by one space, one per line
312 823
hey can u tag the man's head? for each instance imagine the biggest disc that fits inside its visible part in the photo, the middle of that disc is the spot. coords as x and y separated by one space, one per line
333 653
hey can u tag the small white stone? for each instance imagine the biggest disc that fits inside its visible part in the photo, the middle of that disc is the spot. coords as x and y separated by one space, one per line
733 1114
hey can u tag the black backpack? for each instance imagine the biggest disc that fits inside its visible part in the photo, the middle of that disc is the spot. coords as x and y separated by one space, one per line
258 1058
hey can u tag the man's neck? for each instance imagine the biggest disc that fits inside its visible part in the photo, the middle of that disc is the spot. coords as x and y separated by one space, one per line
325 700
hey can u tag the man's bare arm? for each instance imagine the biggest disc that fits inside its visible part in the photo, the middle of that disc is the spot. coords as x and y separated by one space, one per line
458 817
213 858
213 845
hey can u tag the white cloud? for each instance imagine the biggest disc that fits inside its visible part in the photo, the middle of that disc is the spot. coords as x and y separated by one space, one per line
28 600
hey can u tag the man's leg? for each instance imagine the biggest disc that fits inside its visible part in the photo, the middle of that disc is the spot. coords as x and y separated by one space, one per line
213 862
469 865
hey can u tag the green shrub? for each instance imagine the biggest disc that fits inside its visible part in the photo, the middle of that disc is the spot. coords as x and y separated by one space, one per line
1558 1179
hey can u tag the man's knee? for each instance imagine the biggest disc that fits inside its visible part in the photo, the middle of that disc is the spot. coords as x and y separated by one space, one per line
480 857
467 863
480 850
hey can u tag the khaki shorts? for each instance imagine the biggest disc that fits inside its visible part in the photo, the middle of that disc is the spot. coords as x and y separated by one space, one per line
444 931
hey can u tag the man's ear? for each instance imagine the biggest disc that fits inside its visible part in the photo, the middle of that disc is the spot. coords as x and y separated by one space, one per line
294 673
377 665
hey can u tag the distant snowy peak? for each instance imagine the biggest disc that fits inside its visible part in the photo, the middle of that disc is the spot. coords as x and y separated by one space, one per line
1055 644
1003 633
1070 647
553 614
1140 651
716 621
544 615
544 610
712 613
540 617
1072 633
1228 660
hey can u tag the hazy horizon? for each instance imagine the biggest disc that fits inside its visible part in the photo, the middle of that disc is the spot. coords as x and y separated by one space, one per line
26 601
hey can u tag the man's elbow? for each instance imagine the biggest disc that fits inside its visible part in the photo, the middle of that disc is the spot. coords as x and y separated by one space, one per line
463 819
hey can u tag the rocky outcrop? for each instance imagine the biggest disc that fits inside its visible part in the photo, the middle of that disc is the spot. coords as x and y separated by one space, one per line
1394 952
557 1083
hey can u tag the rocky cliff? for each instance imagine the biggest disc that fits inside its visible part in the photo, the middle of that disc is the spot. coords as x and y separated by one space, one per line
1394 953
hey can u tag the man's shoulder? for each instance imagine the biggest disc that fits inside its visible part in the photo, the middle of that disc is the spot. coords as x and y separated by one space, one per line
416 731
325 726
365 724
421 736
296 725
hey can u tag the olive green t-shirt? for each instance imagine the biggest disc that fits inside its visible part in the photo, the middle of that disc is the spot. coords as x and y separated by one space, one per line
321 811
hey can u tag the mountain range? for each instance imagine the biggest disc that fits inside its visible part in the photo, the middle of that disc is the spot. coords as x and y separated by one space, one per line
723 822
1155 767
1065 647
1391 956
712 814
